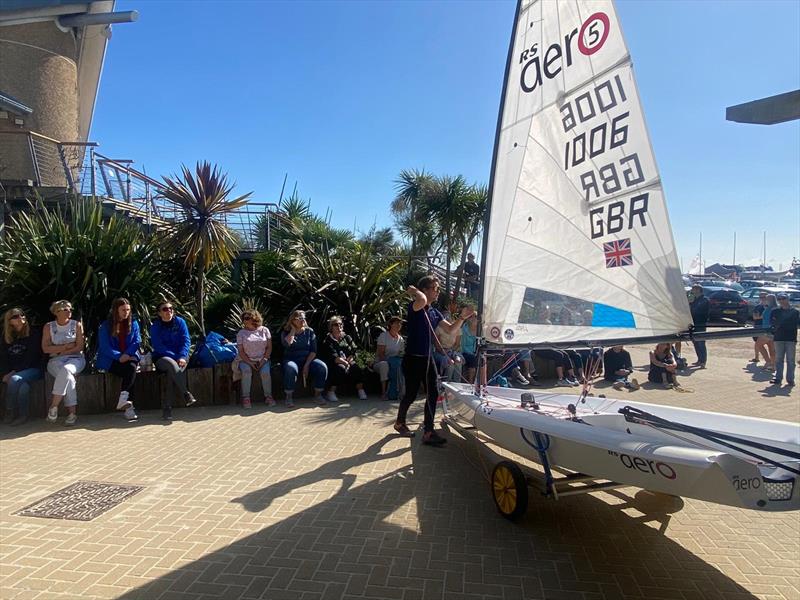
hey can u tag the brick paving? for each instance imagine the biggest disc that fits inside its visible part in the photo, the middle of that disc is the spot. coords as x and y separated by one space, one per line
324 503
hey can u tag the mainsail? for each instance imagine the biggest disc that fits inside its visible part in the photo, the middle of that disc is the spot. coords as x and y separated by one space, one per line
579 244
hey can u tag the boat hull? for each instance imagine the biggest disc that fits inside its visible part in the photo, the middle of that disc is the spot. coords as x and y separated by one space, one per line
603 444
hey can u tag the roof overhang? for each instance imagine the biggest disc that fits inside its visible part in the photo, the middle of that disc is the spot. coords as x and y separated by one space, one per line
767 111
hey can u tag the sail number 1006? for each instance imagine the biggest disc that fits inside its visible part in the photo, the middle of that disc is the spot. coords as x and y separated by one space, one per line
611 133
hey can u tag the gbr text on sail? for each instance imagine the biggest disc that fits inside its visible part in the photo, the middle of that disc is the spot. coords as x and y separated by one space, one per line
595 121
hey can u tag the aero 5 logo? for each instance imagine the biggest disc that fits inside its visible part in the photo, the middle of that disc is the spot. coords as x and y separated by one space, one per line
592 35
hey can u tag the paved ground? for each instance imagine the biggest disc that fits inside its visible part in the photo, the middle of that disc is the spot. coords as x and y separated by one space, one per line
324 503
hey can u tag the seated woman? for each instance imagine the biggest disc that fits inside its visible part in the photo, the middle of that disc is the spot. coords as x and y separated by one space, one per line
565 365
63 340
254 342
300 355
169 337
118 343
339 354
469 346
388 359
447 357
662 366
20 363
517 366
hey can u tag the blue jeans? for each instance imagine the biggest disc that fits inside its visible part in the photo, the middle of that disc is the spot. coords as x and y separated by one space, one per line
702 353
19 390
292 366
785 351
395 364
247 379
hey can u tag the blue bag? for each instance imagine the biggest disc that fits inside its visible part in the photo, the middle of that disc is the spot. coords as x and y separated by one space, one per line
213 350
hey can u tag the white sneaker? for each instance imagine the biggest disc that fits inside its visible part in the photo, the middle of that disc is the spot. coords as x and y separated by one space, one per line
563 383
71 418
332 397
52 414
520 378
123 402
573 382
130 414
362 395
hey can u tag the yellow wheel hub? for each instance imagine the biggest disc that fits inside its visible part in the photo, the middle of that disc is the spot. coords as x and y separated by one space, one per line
505 490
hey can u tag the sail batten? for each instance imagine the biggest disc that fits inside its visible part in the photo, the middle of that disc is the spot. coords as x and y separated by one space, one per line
578 243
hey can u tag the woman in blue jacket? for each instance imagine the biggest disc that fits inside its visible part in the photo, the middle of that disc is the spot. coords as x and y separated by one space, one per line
118 351
169 337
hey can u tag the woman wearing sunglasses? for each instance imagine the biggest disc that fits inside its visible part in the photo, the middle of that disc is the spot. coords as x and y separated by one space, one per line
20 363
300 356
63 340
255 347
169 336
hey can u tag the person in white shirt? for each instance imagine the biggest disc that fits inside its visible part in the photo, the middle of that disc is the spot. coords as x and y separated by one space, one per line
389 358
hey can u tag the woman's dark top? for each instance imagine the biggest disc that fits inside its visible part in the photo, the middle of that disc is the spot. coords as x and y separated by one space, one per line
656 371
333 348
23 353
304 344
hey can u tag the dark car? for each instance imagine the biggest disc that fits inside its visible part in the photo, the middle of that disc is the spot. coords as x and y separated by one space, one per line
726 304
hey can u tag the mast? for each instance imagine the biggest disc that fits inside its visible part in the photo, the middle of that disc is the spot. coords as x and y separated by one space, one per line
487 216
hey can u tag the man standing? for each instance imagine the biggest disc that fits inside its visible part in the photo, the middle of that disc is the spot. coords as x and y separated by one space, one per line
784 320
700 309
471 276
418 363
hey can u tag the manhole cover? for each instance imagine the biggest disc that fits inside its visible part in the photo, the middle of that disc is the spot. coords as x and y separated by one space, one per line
81 501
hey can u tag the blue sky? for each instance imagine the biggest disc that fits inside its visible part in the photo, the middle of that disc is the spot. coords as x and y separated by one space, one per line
344 95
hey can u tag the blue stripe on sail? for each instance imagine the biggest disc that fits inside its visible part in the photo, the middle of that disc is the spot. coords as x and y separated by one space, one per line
608 316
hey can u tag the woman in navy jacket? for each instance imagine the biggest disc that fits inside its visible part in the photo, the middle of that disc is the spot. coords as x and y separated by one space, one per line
169 337
118 351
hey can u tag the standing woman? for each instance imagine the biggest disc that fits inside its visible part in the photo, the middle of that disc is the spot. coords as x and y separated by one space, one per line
339 353
63 340
300 355
389 358
20 363
169 337
766 339
255 347
118 351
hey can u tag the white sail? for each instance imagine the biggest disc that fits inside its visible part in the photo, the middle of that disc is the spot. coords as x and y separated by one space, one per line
579 244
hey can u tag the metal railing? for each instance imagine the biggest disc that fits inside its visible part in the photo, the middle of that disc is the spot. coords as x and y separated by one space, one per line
77 167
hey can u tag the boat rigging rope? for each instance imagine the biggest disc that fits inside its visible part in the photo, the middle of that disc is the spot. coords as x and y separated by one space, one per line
635 415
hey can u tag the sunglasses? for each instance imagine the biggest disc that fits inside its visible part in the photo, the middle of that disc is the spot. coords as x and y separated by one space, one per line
15 317
247 318
64 309
167 309
337 325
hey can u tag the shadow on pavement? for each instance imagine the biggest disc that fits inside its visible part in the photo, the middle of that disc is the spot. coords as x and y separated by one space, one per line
430 530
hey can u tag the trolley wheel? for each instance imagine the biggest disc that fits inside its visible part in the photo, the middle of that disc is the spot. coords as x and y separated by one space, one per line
509 490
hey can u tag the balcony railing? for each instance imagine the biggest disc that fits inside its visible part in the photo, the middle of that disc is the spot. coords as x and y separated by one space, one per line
77 167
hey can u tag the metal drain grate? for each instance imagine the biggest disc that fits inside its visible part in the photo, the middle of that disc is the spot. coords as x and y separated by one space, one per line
81 501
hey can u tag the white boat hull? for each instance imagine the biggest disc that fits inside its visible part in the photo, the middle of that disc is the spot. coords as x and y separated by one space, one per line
604 445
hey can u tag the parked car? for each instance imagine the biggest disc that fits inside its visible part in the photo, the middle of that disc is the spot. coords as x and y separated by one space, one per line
726 304
754 283
751 295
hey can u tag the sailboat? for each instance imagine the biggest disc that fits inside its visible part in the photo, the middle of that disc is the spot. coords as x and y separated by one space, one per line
578 225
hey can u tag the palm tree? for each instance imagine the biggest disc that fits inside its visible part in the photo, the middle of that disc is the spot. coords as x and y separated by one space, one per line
475 204
202 237
448 205
411 187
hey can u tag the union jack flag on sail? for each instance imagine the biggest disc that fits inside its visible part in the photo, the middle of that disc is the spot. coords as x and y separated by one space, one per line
618 253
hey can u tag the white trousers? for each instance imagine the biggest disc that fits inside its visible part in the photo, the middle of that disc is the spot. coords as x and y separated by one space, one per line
64 369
